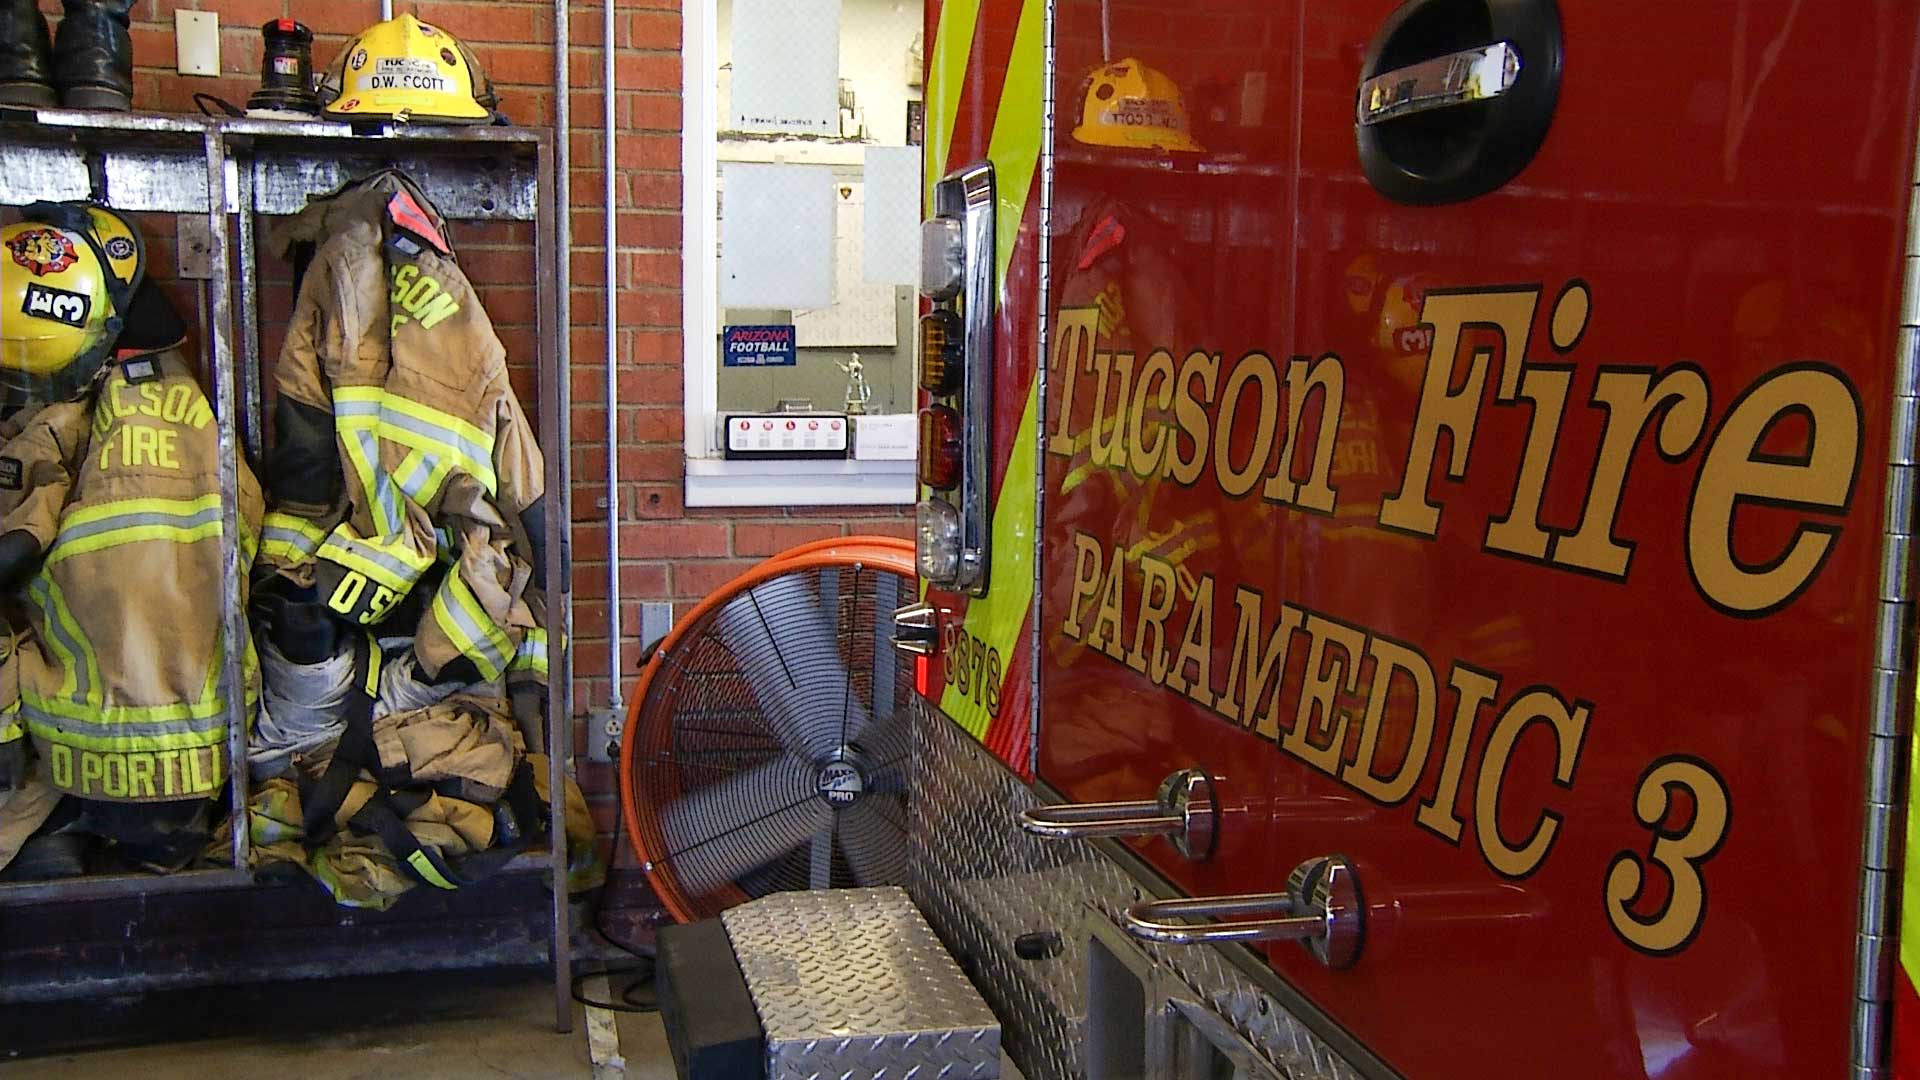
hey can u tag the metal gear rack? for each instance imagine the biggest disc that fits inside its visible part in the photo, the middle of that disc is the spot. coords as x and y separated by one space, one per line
242 169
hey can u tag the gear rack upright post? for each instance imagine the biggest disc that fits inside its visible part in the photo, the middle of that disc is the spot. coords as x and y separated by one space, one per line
243 168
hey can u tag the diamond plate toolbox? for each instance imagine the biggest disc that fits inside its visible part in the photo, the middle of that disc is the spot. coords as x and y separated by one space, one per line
852 983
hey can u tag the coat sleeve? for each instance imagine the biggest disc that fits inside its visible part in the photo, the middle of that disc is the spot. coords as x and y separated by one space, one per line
37 469
303 467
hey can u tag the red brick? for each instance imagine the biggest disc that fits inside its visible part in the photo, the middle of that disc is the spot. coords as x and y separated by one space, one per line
673 539
589 267
525 65
587 505
653 112
174 94
508 304
584 26
655 268
667 425
586 304
634 150
651 386
697 578
653 30
476 22
657 347
650 307
509 233
241 49
658 501
901 529
652 463
645 230
638 581
645 71
760 538
650 191
496 266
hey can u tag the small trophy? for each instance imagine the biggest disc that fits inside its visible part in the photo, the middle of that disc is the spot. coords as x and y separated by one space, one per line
858 392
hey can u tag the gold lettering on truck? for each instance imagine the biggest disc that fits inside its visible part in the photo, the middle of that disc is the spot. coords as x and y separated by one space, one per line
1774 470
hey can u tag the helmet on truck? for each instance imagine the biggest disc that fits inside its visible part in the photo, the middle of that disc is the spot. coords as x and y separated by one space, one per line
1129 104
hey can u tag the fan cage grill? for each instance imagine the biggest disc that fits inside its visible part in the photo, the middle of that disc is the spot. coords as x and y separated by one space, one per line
769 686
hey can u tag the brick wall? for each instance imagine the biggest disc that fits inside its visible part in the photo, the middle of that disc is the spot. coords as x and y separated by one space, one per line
668 551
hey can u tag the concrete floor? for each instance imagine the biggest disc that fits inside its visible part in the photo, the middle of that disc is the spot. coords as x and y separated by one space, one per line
463 1024
421 1027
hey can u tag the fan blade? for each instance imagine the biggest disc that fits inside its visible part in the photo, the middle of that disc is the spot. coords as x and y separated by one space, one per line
725 830
786 649
874 844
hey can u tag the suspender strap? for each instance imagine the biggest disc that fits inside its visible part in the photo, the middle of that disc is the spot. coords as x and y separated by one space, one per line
355 751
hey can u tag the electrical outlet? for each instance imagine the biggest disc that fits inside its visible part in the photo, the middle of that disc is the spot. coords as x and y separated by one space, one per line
196 42
604 727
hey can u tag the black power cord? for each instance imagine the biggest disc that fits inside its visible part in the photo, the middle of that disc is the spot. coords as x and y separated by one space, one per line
637 993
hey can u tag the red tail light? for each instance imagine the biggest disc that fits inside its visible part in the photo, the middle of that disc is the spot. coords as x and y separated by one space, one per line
939 448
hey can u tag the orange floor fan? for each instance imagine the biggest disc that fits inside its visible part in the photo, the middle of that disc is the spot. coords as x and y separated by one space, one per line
767 742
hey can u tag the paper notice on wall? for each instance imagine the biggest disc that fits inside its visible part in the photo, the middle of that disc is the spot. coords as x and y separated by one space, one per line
891 225
786 66
861 314
777 225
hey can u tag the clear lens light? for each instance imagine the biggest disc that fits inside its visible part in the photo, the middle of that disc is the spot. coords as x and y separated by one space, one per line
942 258
937 526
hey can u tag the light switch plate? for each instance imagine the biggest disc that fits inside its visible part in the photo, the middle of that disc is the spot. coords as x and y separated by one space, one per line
196 39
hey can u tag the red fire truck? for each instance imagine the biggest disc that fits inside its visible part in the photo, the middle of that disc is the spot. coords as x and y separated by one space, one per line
1416 536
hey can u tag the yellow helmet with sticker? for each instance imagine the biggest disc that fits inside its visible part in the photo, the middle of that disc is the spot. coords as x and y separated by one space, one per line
62 303
1129 104
121 243
404 69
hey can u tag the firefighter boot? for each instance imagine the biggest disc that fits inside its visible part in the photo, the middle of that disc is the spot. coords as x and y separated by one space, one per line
25 56
93 55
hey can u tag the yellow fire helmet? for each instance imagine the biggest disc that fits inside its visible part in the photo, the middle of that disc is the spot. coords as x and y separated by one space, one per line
1132 105
62 305
122 244
404 69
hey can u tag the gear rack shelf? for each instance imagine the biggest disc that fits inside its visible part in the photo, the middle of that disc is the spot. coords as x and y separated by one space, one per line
233 171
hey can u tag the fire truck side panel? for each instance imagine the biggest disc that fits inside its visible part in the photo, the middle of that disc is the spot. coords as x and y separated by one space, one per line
985 103
1524 550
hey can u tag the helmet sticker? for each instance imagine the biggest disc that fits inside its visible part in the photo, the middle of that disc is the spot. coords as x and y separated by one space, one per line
56 305
350 105
43 251
404 73
359 59
119 248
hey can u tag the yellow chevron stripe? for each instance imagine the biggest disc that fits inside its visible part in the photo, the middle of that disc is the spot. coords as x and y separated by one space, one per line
1015 148
1015 152
946 77
1910 895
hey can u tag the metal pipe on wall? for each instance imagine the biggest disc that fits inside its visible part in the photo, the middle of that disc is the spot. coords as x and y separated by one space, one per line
560 679
386 10
614 620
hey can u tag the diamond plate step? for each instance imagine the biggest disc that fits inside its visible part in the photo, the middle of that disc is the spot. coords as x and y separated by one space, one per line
852 983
